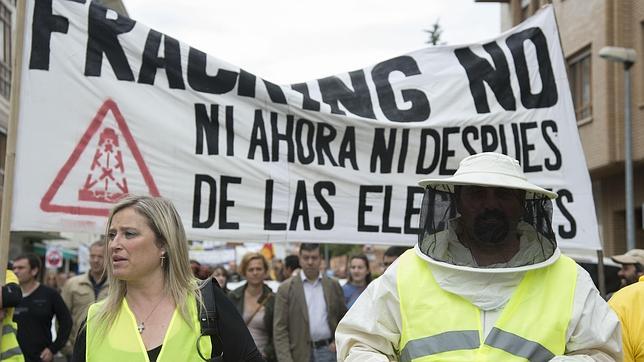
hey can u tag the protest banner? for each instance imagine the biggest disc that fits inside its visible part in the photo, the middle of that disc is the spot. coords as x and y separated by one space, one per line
110 107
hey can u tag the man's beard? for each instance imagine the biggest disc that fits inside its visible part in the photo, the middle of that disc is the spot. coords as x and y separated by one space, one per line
629 280
491 227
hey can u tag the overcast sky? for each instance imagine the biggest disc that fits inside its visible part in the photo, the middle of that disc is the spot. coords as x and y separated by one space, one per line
288 41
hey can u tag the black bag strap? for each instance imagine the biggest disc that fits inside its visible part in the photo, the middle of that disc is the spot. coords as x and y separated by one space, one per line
208 321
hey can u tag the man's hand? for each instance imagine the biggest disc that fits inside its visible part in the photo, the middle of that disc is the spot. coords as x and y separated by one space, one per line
46 355
332 346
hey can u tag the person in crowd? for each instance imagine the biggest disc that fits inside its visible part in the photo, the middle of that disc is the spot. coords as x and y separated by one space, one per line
486 281
55 279
34 314
255 301
632 266
61 279
204 272
276 270
325 269
359 278
627 303
151 309
391 254
51 279
194 266
308 307
82 290
10 297
291 266
339 266
233 274
221 276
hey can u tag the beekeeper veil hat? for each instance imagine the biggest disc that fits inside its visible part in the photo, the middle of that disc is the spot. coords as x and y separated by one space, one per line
439 210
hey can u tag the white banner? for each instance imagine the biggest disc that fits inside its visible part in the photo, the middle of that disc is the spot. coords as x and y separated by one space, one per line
110 107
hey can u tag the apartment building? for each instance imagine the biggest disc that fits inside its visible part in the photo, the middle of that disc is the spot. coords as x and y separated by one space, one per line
597 88
7 25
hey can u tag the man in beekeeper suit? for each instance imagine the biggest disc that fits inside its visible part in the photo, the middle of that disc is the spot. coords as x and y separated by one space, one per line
486 281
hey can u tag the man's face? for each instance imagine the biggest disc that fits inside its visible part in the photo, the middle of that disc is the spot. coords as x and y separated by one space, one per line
195 268
286 272
96 259
204 272
310 262
628 274
490 214
23 271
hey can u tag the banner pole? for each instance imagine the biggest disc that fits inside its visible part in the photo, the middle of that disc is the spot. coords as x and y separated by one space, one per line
10 158
600 273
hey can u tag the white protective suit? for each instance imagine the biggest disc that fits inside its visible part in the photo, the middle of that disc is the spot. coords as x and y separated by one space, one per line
370 331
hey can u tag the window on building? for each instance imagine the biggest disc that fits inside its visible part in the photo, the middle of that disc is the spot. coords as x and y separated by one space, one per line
3 153
528 8
5 51
579 70
525 10
525 13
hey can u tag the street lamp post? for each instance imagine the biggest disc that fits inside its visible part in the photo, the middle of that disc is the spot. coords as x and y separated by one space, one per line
626 56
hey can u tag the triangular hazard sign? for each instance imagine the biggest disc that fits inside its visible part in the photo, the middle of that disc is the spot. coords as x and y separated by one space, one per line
105 182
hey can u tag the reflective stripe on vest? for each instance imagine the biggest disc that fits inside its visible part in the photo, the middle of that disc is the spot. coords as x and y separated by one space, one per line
441 326
11 351
444 342
518 345
122 342
8 328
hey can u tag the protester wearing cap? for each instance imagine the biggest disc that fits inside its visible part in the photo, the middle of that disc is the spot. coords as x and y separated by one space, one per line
486 281
632 266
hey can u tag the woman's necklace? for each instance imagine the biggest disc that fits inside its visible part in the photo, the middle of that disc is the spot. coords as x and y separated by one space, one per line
140 326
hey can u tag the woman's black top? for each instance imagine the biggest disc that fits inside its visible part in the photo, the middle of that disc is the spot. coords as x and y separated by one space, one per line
237 342
153 354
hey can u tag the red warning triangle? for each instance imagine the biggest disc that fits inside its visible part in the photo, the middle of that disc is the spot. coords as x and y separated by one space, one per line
105 181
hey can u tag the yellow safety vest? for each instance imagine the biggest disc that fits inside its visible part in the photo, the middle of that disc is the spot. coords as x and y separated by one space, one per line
440 326
122 342
9 348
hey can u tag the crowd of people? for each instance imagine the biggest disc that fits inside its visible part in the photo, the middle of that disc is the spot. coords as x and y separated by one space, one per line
65 304
143 283
59 298
486 280
298 320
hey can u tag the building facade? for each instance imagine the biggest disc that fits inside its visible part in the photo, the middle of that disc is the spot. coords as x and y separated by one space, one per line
597 88
7 21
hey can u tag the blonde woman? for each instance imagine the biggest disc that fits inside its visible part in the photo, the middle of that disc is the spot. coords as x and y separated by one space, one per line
150 313
255 301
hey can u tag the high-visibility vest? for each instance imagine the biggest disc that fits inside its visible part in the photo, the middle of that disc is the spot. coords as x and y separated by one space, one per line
441 326
9 348
123 342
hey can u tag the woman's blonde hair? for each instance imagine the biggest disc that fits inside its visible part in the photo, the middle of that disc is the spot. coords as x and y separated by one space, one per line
250 256
179 282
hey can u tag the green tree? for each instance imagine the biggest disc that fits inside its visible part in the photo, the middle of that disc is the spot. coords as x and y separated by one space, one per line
343 249
435 33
